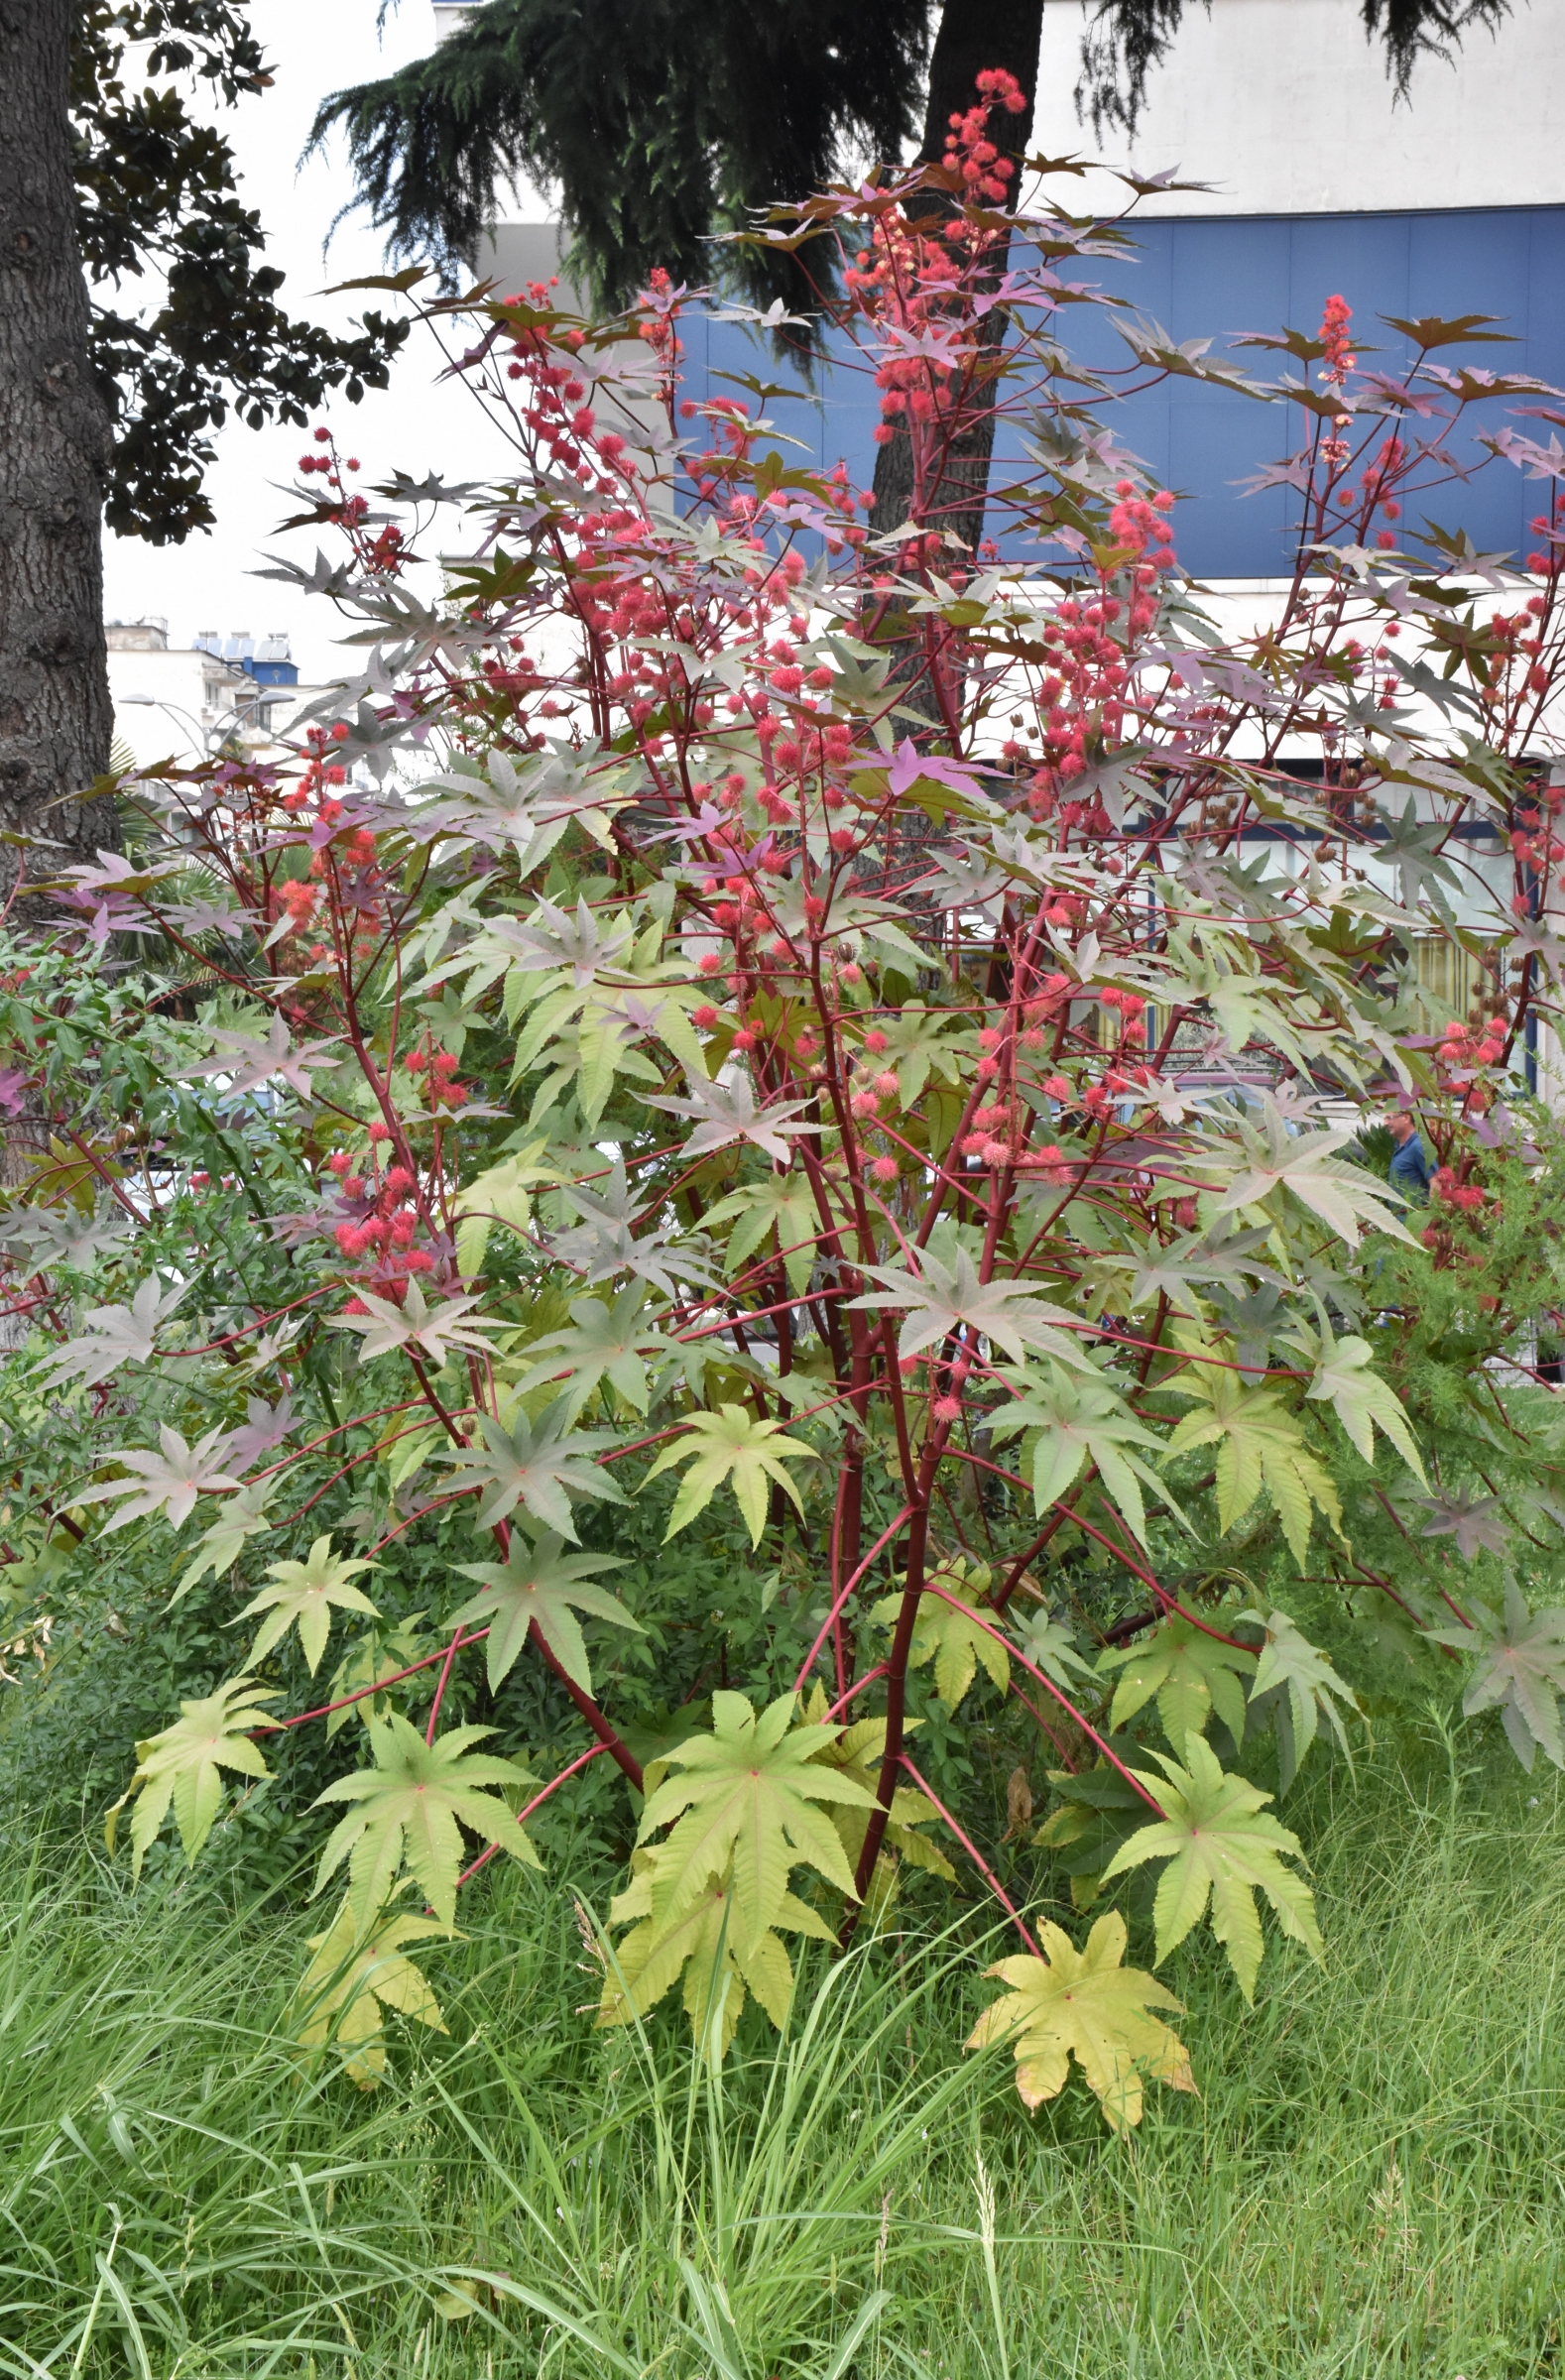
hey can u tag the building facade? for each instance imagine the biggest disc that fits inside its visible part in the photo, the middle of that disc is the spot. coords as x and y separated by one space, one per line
181 702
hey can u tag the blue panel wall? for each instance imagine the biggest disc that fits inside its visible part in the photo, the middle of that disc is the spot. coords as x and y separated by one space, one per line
1218 277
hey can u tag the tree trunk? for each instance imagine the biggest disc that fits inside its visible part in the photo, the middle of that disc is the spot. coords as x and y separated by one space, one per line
55 717
974 35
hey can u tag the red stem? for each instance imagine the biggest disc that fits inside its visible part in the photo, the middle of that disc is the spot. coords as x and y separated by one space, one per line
523 1815
977 1858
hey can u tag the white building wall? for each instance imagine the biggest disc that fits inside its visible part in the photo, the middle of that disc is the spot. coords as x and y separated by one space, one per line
1285 108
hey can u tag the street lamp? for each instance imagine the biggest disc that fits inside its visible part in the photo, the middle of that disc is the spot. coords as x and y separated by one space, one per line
208 740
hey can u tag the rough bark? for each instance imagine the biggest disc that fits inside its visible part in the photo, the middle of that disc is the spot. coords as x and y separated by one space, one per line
973 36
55 718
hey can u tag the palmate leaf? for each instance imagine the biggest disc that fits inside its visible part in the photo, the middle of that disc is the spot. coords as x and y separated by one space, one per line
116 1335
352 1977
1221 1849
500 1195
1300 1687
416 1328
746 1800
1098 1811
183 1765
780 1204
1081 1421
168 1482
378 1654
538 1465
537 1585
1050 1645
955 1636
1521 1672
606 1343
1087 2003
700 1944
409 1807
1257 1442
1478 1523
303 1594
1362 1402
858 1753
1308 1166
730 1446
242 1517
941 1298
1190 1671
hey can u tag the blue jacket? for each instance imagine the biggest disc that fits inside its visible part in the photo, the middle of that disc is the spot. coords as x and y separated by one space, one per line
1411 1170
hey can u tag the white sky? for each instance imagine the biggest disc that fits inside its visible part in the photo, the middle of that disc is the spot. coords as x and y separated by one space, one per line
313 47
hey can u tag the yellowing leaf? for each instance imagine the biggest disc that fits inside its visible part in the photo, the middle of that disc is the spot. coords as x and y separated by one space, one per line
1190 1671
746 1803
352 1977
1221 1849
304 1593
956 1635
729 1444
183 1764
1087 2003
858 1753
410 1805
700 1944
498 1195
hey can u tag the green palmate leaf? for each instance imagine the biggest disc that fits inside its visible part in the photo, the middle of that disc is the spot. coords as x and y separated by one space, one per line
356 1974
1520 1673
941 1298
500 1195
240 1518
1050 1645
607 1342
918 1041
433 1334
783 1206
955 1636
168 1482
538 1586
1360 1401
1221 1849
414 1805
1081 1421
1190 1671
1097 1813
378 1654
538 1465
730 1446
718 1962
1257 1442
746 1800
1088 2003
183 1765
1298 1687
304 1593
1308 1166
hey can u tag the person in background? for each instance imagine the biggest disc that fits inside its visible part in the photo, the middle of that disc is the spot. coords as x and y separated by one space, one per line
1411 1167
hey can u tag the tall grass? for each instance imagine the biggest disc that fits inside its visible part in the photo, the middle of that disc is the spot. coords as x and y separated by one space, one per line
1369 2182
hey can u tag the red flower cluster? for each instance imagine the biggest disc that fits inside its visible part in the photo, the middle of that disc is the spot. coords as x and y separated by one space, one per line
969 150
